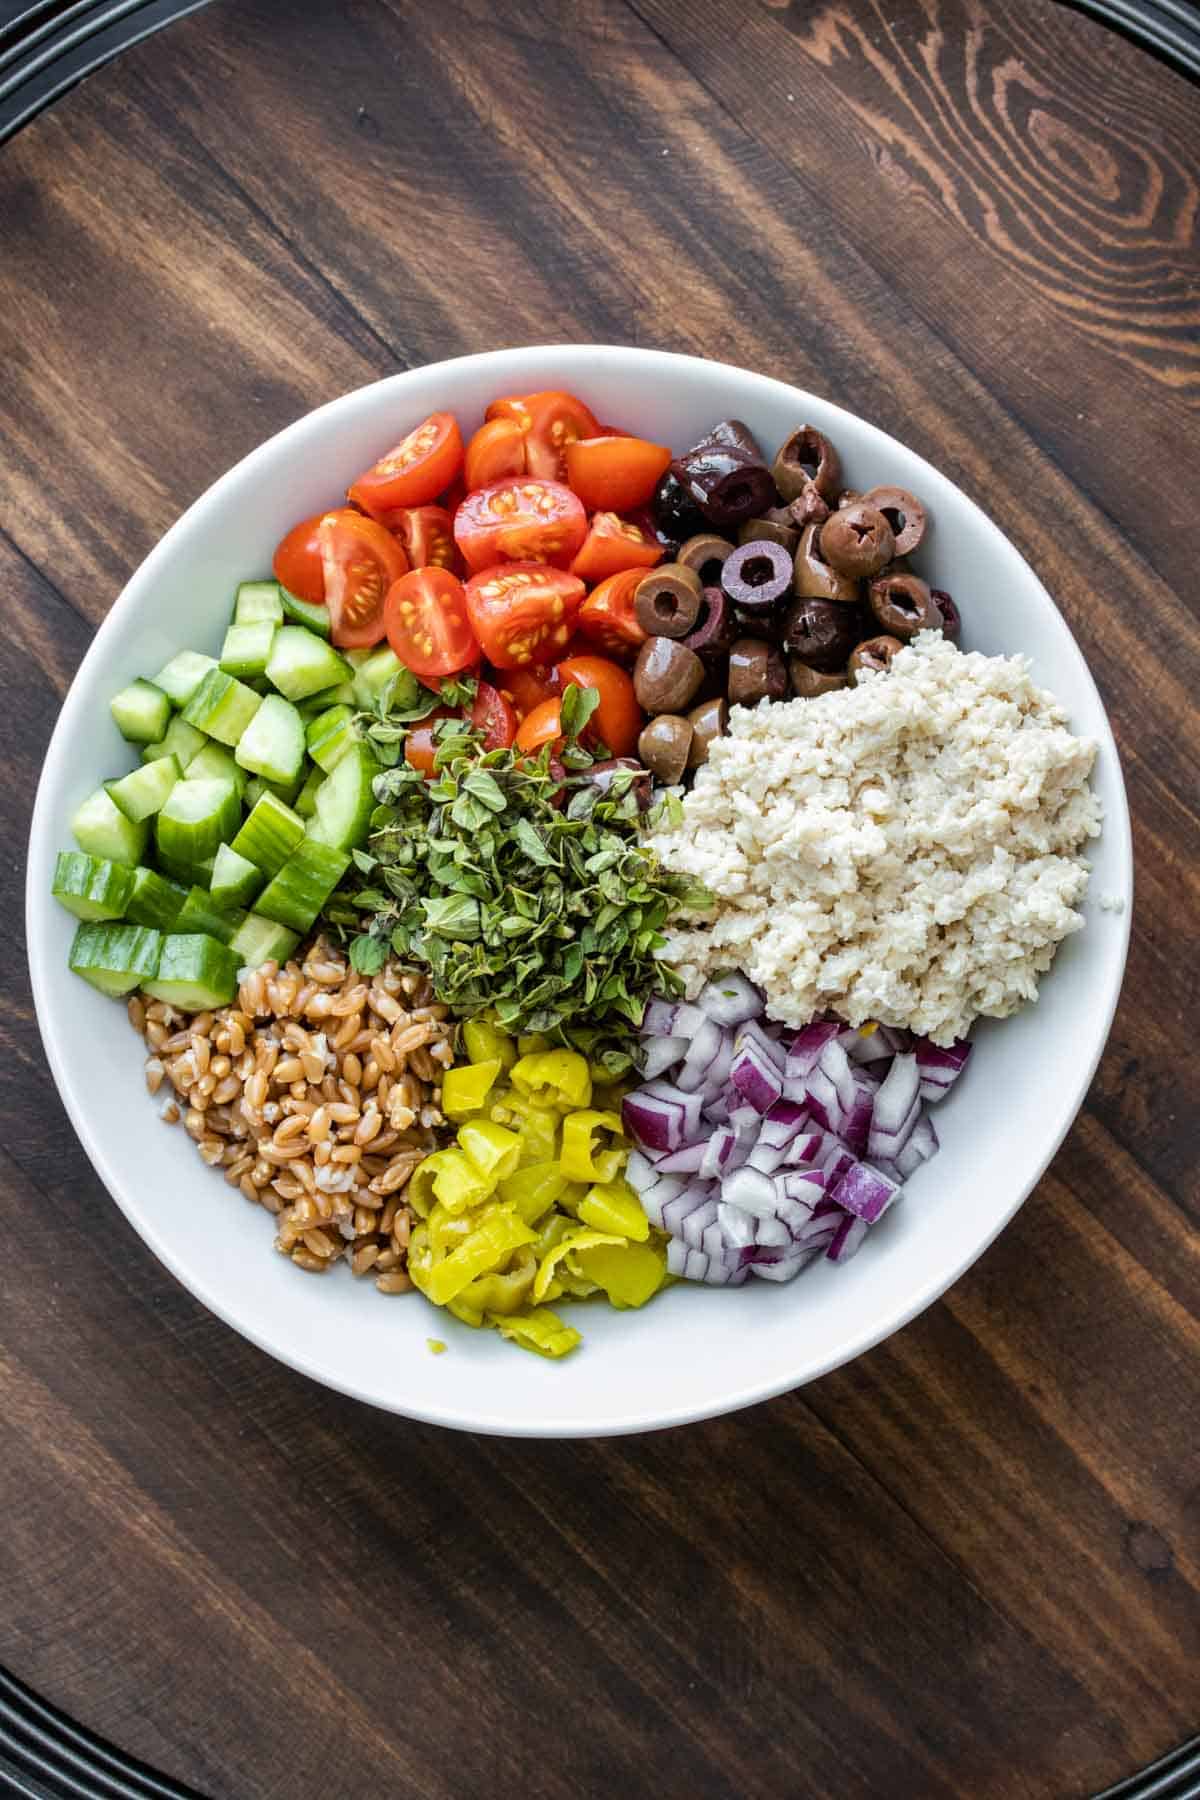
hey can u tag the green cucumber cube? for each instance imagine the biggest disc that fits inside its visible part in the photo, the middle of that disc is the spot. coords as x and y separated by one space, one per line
330 735
144 791
215 763
269 834
247 648
199 912
258 940
101 828
305 802
115 958
91 887
198 818
195 972
180 739
272 745
180 678
154 900
235 879
346 800
313 615
373 676
258 602
140 712
222 706
296 895
302 664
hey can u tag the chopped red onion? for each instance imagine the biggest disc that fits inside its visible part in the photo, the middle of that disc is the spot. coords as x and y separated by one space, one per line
807 1046
750 1189
754 1074
662 1117
658 1020
707 1048
804 1149
803 1186
717 1152
736 1226
940 1065
897 1107
695 1265
684 1161
784 1271
847 1239
730 999
781 1124
865 1192
658 1054
691 1225
922 1144
654 1200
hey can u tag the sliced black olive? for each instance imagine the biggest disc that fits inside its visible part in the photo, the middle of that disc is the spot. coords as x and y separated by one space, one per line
705 554
772 531
857 540
725 483
666 601
807 456
757 672
735 433
758 574
903 605
807 682
714 634
951 617
675 512
822 633
903 512
666 675
664 747
813 575
602 774
875 654
709 720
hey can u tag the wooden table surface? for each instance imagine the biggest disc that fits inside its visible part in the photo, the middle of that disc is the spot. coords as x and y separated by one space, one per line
969 1563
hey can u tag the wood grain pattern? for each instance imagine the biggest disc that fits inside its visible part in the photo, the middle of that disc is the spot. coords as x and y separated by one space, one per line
967 1565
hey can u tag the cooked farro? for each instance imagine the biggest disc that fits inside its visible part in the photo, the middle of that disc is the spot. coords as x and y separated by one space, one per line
276 1093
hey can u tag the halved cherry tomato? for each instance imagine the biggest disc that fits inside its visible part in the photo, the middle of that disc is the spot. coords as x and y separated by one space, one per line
360 561
522 613
417 470
542 726
618 719
454 496
612 544
550 421
297 561
420 745
427 533
496 452
522 520
427 626
615 472
607 618
493 715
526 688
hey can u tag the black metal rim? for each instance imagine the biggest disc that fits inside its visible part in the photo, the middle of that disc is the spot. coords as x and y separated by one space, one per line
44 1755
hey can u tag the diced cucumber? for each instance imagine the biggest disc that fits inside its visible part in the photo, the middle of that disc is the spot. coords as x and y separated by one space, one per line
187 874
314 615
195 972
330 735
258 940
272 745
258 785
372 676
115 958
222 706
303 885
180 678
357 657
269 834
346 800
247 648
316 704
180 739
302 664
199 913
101 828
258 601
154 900
91 887
235 879
143 792
140 712
198 818
215 763
306 800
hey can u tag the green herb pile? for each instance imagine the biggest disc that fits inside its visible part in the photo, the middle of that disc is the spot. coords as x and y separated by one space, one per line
521 887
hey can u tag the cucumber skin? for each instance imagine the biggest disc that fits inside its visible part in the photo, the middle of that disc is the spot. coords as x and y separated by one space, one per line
258 940
195 972
182 841
280 830
235 879
146 789
180 739
305 612
346 800
101 829
256 602
297 894
154 900
91 888
137 708
303 664
198 914
223 706
276 729
115 958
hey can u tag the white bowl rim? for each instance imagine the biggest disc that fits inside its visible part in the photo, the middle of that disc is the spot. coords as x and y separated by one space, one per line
1117 830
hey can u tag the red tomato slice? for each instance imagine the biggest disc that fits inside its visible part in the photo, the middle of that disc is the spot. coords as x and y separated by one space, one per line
494 716
613 544
607 618
297 561
360 561
618 719
522 613
496 452
615 472
522 520
417 470
426 621
550 421
542 726
526 688
427 533
420 745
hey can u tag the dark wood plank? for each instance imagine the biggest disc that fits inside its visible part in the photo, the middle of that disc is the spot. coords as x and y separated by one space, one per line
967 1564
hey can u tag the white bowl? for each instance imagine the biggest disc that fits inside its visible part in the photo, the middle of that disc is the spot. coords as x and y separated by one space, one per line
693 1352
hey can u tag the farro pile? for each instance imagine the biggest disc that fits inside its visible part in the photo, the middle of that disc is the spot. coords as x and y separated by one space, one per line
316 1095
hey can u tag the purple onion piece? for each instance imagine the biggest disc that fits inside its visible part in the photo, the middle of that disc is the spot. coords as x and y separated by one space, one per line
730 999
847 1239
865 1192
897 1107
662 1053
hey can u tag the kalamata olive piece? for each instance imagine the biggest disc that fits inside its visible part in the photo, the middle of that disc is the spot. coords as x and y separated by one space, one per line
822 633
709 720
809 507
807 682
666 675
705 554
646 520
666 601
714 634
903 605
676 514
848 497
735 433
813 575
951 617
756 672
807 456
664 746
601 775
727 484
757 574
856 540
876 653
771 531
903 512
